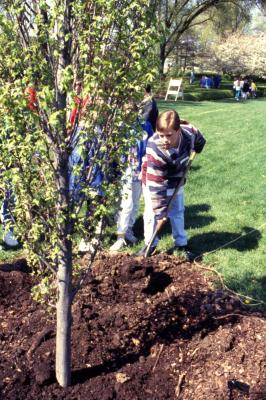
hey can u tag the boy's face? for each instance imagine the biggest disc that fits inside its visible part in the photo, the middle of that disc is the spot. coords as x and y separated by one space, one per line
169 139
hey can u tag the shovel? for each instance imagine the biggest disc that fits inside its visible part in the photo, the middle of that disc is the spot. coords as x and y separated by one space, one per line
162 221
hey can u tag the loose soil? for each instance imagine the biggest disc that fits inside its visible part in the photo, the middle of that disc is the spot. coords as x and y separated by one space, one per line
143 329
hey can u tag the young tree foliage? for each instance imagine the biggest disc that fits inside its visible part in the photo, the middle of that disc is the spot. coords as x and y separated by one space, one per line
47 46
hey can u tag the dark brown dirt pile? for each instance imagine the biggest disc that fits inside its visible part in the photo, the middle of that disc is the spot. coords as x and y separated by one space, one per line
143 329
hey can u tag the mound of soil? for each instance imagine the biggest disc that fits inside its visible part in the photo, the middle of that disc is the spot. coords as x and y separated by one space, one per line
148 329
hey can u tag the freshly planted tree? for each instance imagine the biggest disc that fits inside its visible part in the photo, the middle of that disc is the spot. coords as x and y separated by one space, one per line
47 130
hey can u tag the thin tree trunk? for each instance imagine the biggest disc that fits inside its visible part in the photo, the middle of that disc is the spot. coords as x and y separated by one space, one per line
64 282
64 319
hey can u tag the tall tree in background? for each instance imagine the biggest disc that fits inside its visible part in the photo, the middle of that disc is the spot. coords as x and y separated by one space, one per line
46 47
176 17
241 55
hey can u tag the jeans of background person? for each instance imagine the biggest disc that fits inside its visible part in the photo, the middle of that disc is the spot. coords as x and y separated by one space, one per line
8 203
238 94
75 159
75 180
6 218
175 215
131 192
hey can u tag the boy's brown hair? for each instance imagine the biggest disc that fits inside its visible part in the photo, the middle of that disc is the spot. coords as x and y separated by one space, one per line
168 120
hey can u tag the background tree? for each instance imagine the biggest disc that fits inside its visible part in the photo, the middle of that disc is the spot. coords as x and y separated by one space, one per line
47 46
242 55
235 51
175 18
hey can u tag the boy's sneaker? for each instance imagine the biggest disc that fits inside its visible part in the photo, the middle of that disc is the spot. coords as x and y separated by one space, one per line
142 252
130 236
118 245
189 256
10 240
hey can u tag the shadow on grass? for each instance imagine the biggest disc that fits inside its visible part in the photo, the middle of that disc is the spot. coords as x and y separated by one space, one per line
195 167
249 285
194 218
210 241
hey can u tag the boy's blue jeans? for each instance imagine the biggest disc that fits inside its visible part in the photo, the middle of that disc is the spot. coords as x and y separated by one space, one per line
176 216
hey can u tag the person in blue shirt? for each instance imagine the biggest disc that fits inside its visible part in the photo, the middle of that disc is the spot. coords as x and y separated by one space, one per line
131 188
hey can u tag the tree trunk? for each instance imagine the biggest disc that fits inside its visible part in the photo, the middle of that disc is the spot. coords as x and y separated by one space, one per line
64 278
162 58
64 319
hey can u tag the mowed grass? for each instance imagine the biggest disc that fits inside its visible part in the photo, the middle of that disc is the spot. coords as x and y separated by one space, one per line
225 194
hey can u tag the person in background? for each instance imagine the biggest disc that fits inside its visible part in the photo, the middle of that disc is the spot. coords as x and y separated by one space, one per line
217 81
253 89
148 109
237 87
192 77
166 155
131 188
203 81
245 89
209 82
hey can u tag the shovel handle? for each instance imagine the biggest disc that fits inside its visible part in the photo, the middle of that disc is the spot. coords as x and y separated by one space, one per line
158 227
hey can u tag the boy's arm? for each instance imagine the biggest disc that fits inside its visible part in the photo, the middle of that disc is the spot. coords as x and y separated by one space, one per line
199 142
157 181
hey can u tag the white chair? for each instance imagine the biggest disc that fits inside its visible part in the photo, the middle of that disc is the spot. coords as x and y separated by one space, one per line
175 88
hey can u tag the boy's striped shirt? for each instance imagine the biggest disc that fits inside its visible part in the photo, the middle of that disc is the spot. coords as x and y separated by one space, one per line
163 169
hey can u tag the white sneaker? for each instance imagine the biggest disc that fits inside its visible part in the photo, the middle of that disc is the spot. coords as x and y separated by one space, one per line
118 245
130 236
2 214
86 247
10 240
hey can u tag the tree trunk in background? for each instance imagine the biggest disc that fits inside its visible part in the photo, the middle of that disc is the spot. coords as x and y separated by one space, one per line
162 58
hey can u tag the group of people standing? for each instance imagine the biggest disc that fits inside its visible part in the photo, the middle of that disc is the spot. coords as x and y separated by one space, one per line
161 160
209 82
245 88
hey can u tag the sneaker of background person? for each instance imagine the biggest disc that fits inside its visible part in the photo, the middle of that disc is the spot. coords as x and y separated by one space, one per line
130 236
10 240
87 247
118 245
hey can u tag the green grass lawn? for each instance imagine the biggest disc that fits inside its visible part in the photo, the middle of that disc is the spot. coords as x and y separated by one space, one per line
225 194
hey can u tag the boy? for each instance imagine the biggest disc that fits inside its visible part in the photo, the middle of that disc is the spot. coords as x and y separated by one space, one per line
166 155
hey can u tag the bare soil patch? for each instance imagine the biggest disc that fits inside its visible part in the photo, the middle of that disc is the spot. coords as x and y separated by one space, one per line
150 329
